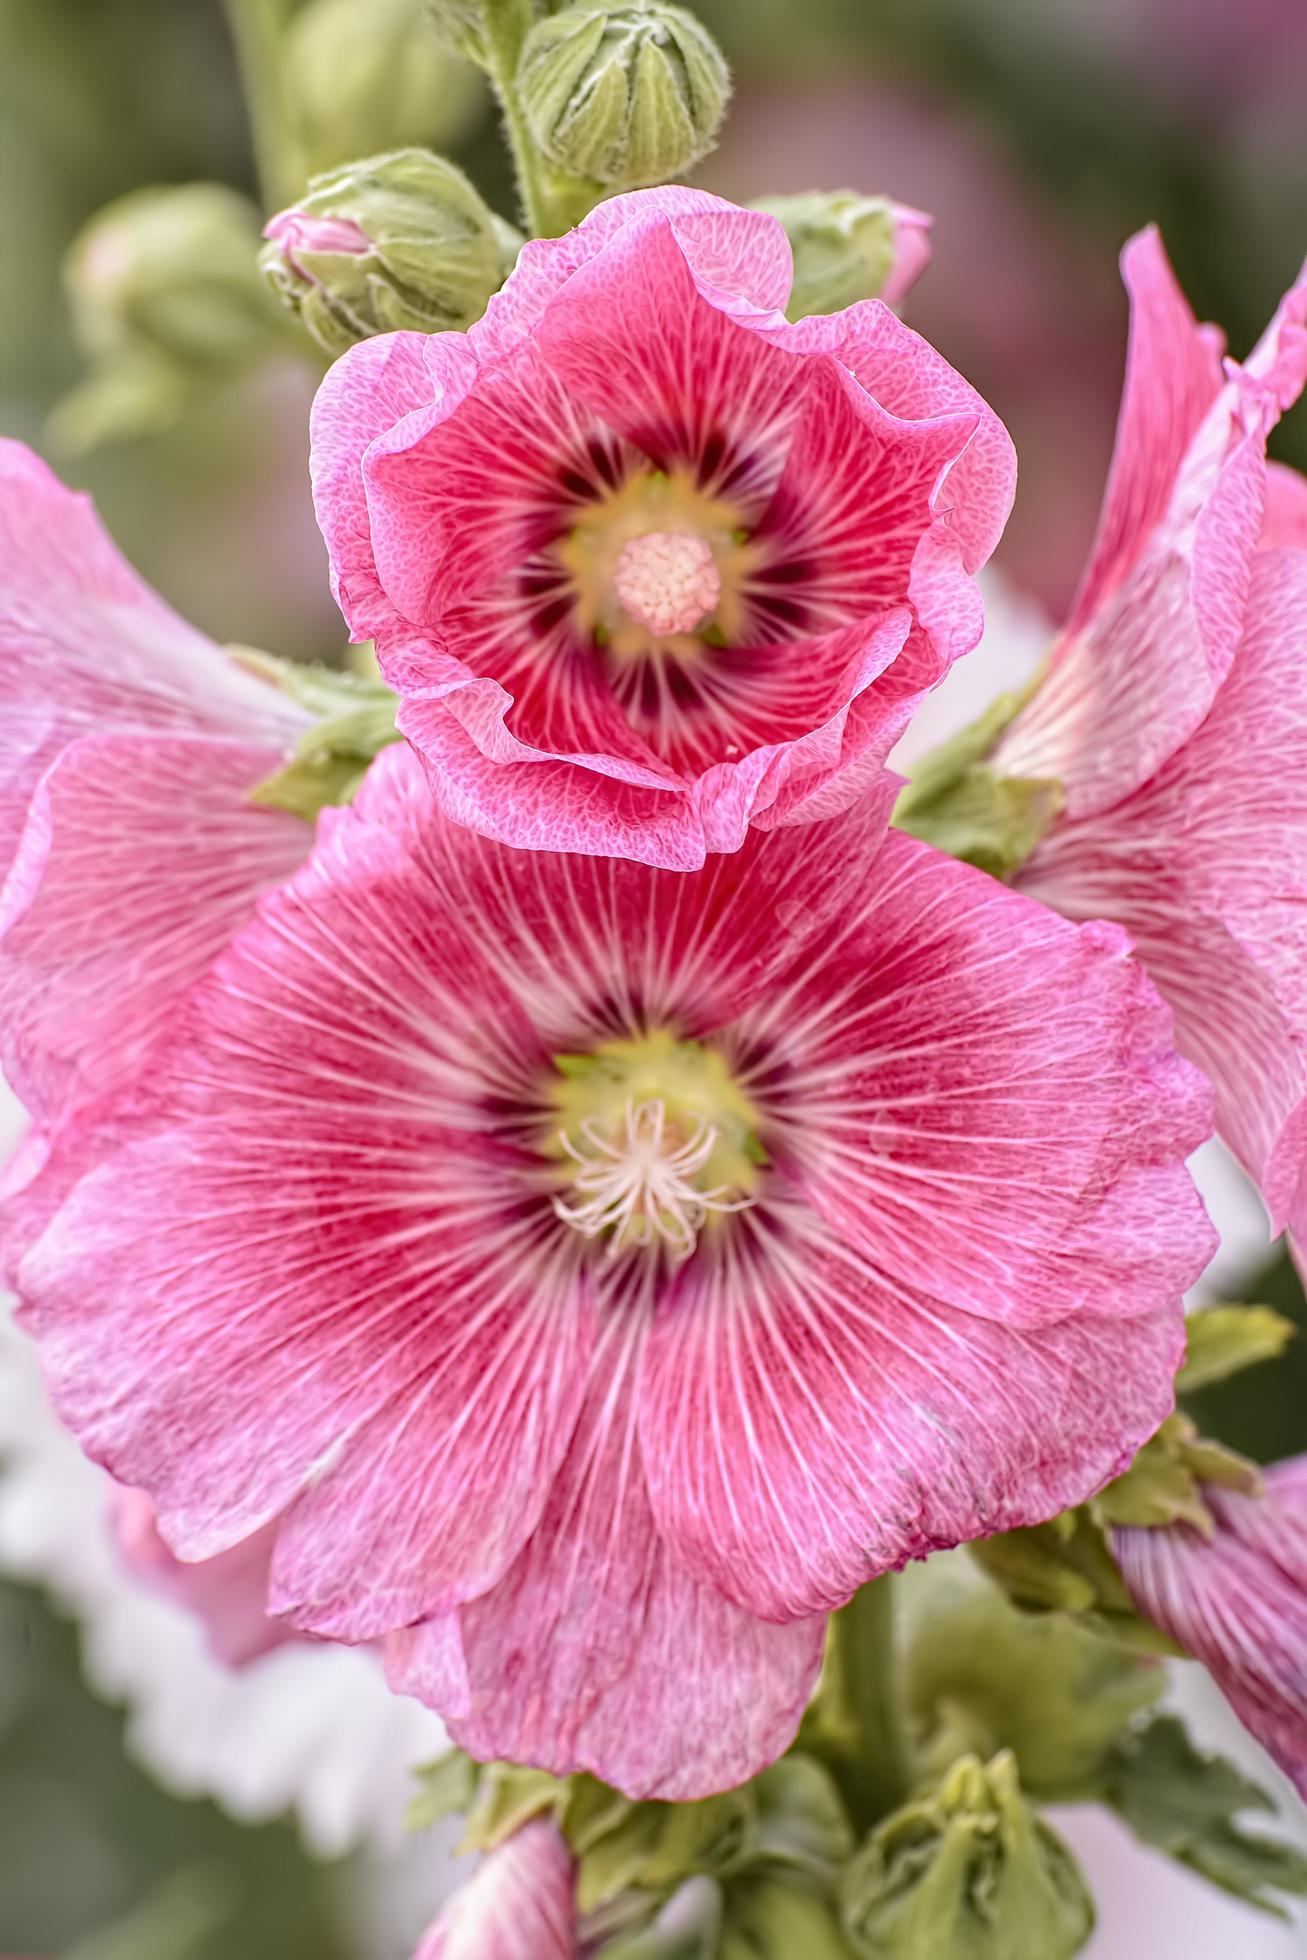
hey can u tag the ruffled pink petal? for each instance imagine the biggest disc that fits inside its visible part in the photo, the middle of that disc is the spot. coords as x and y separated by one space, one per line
988 1104
599 1651
906 376
741 252
227 1594
141 856
86 647
912 253
1206 867
371 389
248 1287
807 1423
520 1904
1284 520
1136 676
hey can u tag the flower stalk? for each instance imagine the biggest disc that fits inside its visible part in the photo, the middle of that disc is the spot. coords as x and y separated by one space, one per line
856 1722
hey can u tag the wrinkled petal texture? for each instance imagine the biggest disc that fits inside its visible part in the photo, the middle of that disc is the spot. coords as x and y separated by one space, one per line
601 1504
871 479
520 1904
1161 611
1238 1603
1206 867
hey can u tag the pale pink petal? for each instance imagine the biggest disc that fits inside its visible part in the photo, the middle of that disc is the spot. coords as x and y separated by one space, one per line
912 253
808 1423
86 647
519 1904
1206 867
227 1594
986 1102
598 1651
141 856
1134 678
1284 521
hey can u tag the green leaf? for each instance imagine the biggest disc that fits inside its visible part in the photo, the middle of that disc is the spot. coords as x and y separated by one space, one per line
1189 1805
982 1677
447 1788
506 1799
1225 1340
956 802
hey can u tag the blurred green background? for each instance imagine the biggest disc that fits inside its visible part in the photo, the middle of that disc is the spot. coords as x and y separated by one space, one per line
1039 134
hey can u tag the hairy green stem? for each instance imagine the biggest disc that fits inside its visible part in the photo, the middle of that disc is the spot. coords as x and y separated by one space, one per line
858 1725
506 24
258 29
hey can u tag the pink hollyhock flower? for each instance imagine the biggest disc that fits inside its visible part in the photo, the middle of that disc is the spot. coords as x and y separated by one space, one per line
519 1904
129 744
647 563
1175 715
228 1594
1238 1603
607 1272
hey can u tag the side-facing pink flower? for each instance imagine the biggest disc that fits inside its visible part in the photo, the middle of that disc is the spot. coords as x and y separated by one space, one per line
648 563
606 1271
129 849
519 1904
1175 715
1237 1601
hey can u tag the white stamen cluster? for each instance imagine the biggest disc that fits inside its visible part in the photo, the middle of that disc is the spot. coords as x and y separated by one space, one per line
668 581
638 1180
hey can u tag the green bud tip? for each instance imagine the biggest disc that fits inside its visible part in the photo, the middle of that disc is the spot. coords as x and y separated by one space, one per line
848 248
395 241
624 95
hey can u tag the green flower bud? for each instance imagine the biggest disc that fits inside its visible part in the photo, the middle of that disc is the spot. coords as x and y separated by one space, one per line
968 1871
402 240
624 95
363 76
171 273
848 247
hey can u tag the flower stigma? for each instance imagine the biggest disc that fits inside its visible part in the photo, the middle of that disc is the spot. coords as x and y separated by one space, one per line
655 1141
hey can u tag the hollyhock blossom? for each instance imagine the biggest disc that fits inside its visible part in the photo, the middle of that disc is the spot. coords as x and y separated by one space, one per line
648 563
520 1901
606 1272
1237 1601
129 744
1175 715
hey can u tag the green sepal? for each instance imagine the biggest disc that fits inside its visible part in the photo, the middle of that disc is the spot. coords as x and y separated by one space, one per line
982 1677
1188 1805
1066 1566
1164 1484
506 1799
769 1921
956 802
969 1871
447 1789
656 1846
802 1825
1224 1340
354 719
592 1810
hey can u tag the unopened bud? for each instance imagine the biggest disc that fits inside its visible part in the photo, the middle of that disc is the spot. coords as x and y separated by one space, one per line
364 74
402 240
848 247
623 95
967 1870
170 273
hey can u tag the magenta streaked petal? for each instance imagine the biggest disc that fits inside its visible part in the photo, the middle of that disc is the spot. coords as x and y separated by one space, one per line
520 1904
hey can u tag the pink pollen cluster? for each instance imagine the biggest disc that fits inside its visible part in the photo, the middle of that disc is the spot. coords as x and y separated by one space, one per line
668 581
